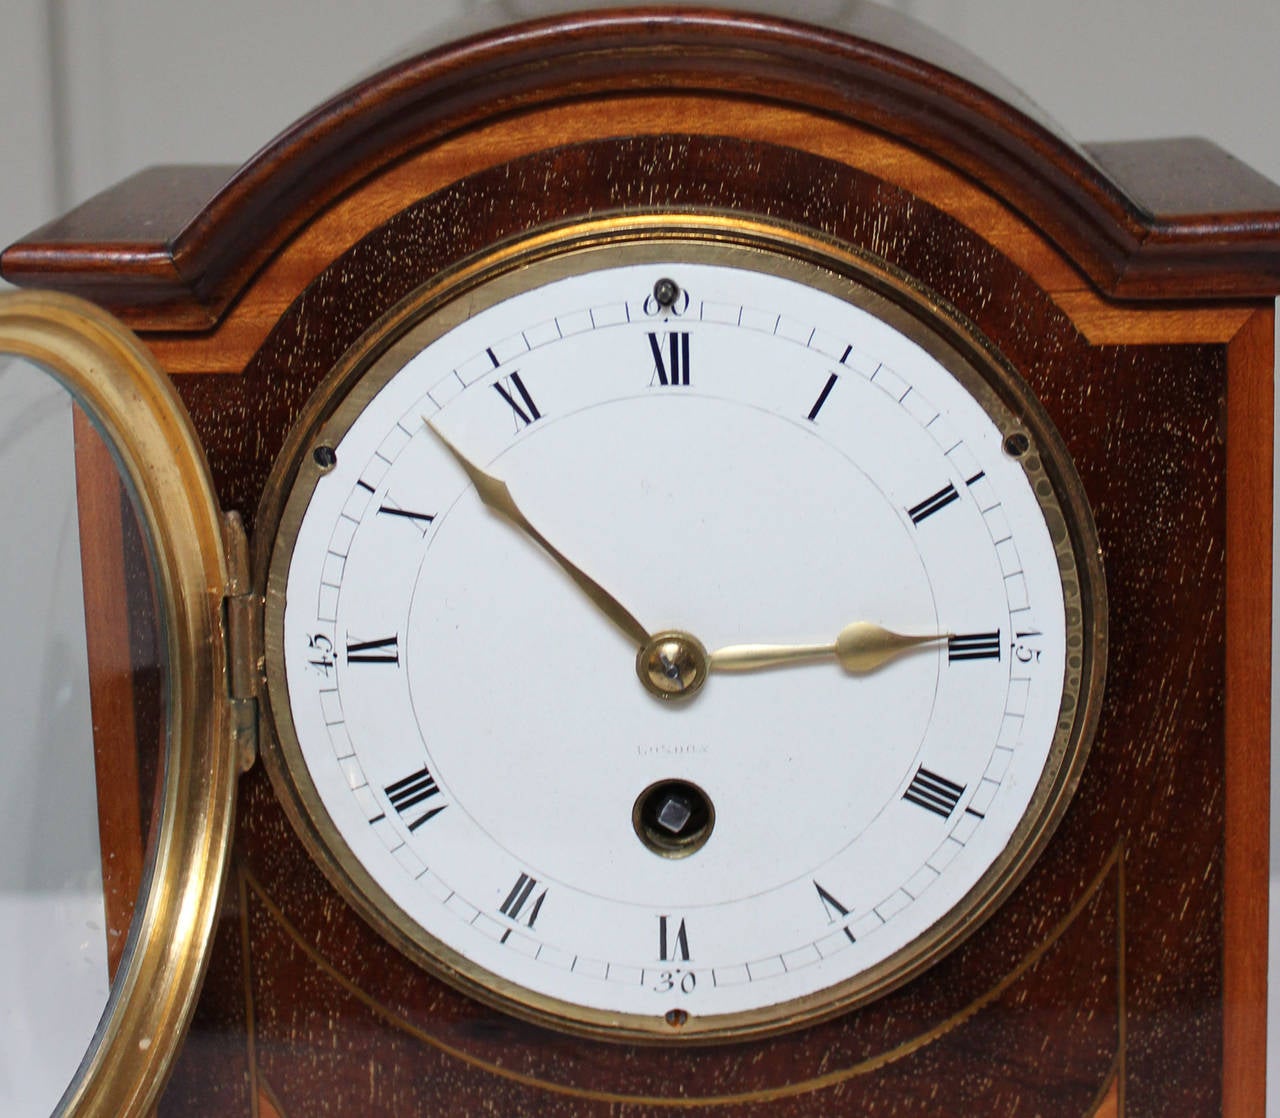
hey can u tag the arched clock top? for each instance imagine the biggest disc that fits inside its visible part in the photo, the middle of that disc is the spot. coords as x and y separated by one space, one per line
173 247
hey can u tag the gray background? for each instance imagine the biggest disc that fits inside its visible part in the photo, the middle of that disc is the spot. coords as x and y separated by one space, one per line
95 89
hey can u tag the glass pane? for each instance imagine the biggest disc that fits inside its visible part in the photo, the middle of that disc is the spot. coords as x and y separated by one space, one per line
82 711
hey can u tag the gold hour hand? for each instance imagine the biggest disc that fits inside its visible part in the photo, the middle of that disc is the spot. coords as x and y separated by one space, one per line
859 647
494 493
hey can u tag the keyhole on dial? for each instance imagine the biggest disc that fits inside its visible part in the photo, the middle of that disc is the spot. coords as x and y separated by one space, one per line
673 818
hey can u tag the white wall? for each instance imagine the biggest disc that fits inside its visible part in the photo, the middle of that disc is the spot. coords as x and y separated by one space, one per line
95 89
100 88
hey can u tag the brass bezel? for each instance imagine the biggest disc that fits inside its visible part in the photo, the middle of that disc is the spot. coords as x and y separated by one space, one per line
852 275
133 405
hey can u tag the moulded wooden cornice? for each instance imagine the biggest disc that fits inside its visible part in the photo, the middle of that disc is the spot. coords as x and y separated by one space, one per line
172 247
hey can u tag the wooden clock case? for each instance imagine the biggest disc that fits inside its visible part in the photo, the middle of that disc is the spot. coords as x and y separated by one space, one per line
1131 285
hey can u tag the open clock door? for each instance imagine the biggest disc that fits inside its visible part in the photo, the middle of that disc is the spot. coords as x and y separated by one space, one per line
120 740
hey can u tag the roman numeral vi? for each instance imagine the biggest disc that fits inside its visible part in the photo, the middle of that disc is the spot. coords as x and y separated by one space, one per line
672 949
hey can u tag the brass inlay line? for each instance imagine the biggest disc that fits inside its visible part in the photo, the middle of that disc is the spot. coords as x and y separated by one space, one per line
1106 1102
246 974
1122 974
817 1083
267 1095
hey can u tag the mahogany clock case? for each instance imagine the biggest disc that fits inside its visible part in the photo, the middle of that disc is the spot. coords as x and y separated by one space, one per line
1130 286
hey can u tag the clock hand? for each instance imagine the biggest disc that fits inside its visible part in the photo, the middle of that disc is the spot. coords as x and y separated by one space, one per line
861 646
494 493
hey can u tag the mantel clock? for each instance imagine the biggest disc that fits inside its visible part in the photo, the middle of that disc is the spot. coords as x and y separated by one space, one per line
702 563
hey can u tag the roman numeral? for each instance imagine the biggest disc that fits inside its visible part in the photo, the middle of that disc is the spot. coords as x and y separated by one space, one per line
974 646
836 912
671 950
384 650
421 519
519 896
933 792
822 396
674 370
940 500
410 791
523 415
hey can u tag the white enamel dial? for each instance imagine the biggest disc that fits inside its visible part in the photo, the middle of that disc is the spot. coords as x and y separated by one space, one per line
742 457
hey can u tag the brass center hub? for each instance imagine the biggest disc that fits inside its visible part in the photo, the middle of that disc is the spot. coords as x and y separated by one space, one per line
672 665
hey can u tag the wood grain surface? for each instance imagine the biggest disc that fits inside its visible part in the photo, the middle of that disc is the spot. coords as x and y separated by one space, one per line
889 74
1144 424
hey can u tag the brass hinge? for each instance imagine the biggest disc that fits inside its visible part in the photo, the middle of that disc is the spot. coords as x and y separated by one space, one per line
243 620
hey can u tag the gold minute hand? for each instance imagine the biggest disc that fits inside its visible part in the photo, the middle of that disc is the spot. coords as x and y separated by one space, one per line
860 647
494 493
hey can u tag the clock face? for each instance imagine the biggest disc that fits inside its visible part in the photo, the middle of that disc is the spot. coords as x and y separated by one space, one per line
737 825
